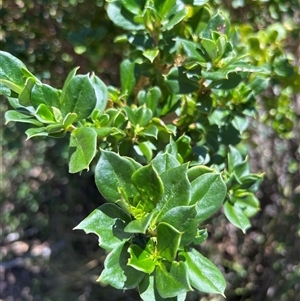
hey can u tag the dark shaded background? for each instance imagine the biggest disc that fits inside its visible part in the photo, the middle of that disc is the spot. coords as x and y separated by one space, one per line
42 259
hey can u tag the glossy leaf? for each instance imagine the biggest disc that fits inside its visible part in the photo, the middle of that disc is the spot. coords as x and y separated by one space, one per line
44 114
150 97
11 72
107 222
100 92
148 291
140 259
164 162
45 94
237 216
172 281
177 189
127 76
117 272
150 186
25 95
113 172
183 219
179 83
168 241
203 274
208 193
84 140
16 116
140 225
36 132
121 18
79 97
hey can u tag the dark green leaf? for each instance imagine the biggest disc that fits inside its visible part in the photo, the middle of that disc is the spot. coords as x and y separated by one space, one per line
177 189
100 91
163 162
203 274
179 83
127 76
150 97
168 241
172 281
113 172
11 72
25 95
208 192
79 97
108 223
117 272
148 291
121 17
44 94
183 218
150 186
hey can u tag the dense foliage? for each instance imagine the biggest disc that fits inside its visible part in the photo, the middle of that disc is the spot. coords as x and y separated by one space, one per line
188 85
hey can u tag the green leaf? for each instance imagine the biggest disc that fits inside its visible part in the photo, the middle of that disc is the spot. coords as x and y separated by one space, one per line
25 95
45 94
218 23
164 162
100 92
172 281
70 119
197 171
179 83
11 72
67 82
116 271
4 90
108 223
203 274
79 97
145 149
151 54
127 76
183 219
237 216
84 140
177 189
16 116
143 115
176 18
122 17
150 97
149 185
140 225
168 241
36 132
140 259
210 47
113 172
208 192
44 114
148 291
192 50
234 158
247 201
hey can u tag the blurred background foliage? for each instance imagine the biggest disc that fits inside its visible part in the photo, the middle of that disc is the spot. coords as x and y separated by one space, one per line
42 259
